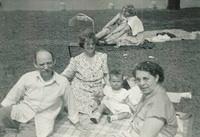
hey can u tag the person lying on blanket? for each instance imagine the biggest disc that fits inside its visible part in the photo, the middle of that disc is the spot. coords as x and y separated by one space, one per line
114 100
125 22
155 115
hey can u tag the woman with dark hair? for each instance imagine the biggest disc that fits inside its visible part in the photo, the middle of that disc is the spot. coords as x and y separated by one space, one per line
87 73
155 115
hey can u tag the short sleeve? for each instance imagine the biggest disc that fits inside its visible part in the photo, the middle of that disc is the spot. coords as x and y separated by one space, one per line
70 70
159 108
136 25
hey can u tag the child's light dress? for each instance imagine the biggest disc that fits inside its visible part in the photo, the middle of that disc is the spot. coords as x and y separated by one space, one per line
115 100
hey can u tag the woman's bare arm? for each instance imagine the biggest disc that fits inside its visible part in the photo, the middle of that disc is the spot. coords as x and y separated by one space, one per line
151 127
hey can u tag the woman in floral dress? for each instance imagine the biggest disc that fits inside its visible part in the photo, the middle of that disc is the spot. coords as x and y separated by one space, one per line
87 73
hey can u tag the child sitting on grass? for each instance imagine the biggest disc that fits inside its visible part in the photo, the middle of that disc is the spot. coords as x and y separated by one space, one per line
114 100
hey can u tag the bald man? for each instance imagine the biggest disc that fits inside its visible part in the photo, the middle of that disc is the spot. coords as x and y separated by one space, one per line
37 98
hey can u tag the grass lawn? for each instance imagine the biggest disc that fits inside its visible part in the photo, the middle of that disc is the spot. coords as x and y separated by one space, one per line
21 31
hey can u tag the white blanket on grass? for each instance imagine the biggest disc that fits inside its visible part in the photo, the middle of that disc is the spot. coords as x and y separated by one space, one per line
152 36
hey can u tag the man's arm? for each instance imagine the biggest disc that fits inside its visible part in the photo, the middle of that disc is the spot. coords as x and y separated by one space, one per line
15 93
70 104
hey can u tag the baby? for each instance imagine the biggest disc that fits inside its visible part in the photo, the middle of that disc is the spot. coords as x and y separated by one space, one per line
113 102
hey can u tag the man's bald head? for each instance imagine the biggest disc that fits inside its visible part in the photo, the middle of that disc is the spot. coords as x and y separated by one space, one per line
44 62
44 59
43 52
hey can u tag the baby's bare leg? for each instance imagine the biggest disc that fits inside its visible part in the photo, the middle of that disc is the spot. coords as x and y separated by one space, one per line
95 118
120 116
123 115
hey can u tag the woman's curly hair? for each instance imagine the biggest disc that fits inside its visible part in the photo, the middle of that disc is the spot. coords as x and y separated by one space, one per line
130 9
87 34
153 68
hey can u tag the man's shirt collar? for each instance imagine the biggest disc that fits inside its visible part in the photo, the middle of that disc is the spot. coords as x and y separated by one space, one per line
51 81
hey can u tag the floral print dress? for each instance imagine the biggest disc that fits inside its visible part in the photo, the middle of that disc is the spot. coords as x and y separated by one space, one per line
88 77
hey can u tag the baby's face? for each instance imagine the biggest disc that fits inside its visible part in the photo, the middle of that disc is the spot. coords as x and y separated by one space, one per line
116 82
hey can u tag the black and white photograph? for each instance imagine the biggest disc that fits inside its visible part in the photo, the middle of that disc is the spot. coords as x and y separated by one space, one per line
99 68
